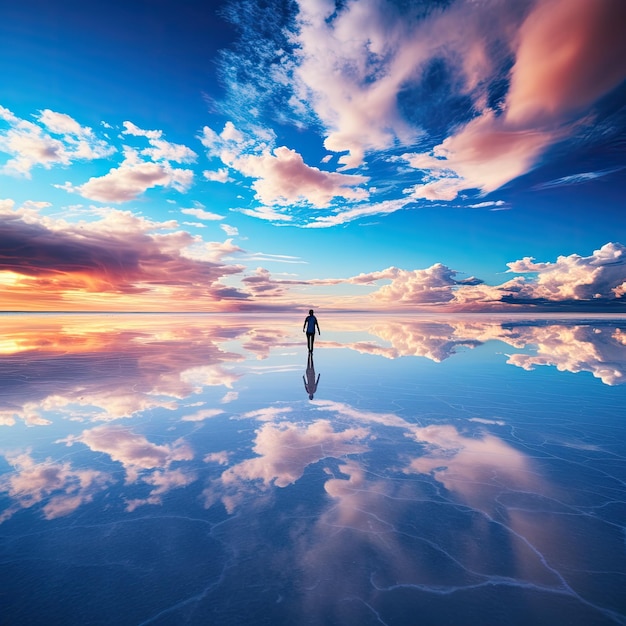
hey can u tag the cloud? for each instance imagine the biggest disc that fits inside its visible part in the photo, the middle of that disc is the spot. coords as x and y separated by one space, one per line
575 348
577 179
598 276
474 468
201 214
120 254
429 286
365 210
218 176
570 53
266 213
162 482
30 145
481 91
281 175
200 416
131 179
596 281
231 231
560 70
63 367
160 150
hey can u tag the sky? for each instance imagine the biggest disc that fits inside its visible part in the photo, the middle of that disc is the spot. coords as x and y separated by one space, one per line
381 155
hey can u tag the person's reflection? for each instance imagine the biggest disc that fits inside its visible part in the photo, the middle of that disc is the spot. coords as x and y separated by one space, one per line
310 384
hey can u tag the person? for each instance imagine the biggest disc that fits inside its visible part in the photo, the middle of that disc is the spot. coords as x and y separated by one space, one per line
310 324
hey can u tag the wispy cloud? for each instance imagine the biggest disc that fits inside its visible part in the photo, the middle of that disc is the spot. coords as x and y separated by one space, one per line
526 82
577 179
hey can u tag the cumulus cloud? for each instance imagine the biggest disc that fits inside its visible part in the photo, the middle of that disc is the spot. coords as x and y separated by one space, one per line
575 348
429 286
58 139
281 176
142 460
574 277
131 179
594 281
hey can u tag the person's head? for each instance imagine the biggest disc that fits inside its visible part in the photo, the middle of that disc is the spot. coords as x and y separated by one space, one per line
311 312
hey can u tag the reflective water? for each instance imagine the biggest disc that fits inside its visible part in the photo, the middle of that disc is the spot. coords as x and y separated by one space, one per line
203 470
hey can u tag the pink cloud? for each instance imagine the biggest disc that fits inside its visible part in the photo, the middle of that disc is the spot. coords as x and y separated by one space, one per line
283 178
567 56
574 277
132 178
570 53
118 254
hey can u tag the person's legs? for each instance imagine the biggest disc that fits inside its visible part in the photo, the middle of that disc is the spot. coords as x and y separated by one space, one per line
310 337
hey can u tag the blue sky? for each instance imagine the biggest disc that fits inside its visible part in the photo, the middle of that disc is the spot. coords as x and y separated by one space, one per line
353 155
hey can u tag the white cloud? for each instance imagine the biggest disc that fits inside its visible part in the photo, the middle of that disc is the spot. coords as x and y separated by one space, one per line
160 149
132 178
281 177
266 213
201 214
284 451
574 277
231 231
357 212
31 145
218 176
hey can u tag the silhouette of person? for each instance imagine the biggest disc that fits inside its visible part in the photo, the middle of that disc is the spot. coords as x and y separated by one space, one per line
310 384
310 324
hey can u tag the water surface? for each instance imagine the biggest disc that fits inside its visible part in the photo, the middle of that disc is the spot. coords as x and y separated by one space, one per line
200 469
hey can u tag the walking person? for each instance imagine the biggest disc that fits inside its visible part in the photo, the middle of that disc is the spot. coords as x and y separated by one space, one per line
310 324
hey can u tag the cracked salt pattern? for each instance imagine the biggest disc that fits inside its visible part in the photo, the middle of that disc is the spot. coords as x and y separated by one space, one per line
175 470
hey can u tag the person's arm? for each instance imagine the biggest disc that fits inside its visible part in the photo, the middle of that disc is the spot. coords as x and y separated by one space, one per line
319 332
304 325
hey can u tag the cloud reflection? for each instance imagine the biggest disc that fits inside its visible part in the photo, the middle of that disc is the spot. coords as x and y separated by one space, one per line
595 346
62 487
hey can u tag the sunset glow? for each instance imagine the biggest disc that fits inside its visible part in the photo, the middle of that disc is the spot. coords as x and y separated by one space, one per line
364 155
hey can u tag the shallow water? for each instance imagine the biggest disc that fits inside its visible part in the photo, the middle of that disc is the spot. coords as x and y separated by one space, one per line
160 469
